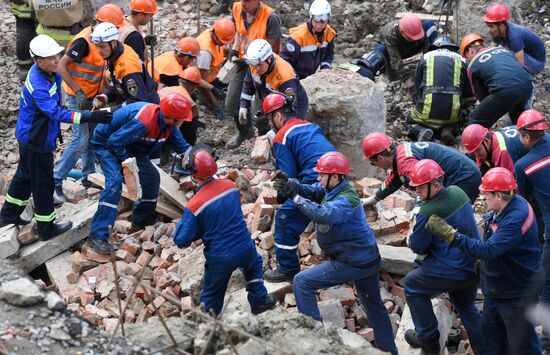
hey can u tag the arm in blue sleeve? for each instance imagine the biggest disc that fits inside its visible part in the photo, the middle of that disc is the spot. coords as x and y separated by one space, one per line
336 211
419 75
248 90
186 230
521 180
312 192
135 40
420 239
178 142
291 52
137 91
45 103
328 58
290 87
127 134
285 160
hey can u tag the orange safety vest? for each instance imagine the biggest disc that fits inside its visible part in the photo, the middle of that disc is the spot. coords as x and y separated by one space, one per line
207 44
281 73
89 73
166 64
257 29
125 30
308 41
128 63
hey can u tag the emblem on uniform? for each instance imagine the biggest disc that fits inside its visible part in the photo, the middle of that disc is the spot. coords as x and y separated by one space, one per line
132 87
290 47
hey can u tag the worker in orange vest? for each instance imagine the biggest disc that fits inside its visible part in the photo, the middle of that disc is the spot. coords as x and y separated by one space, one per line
130 32
169 65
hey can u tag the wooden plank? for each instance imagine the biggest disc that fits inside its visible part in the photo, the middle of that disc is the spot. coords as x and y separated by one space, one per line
170 189
162 207
426 16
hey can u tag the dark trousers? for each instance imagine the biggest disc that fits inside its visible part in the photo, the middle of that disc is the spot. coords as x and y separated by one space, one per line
25 32
34 175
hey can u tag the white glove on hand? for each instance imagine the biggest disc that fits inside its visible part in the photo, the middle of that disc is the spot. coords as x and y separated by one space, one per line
100 101
243 115
369 201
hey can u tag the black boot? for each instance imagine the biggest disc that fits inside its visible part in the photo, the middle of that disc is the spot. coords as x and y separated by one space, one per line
430 345
18 221
269 302
57 229
277 276
59 197
99 246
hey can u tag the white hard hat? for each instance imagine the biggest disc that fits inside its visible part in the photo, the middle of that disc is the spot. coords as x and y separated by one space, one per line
104 32
44 46
258 51
320 10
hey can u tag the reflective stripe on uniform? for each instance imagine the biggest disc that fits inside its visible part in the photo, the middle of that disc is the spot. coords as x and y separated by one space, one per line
408 149
21 62
286 247
456 83
107 204
535 166
255 280
311 48
430 64
53 89
93 78
148 200
16 201
21 11
45 218
76 117
57 35
246 97
501 141
28 85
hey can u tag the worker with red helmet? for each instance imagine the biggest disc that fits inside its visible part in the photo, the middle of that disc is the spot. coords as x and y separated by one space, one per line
510 262
498 80
136 130
402 39
528 48
214 215
444 269
401 159
142 12
346 238
297 146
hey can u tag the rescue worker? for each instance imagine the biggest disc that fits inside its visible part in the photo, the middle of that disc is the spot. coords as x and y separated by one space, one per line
311 45
83 71
401 159
498 80
445 269
267 73
24 33
297 146
345 236
130 81
169 65
253 20
37 128
532 172
402 39
137 129
191 80
510 261
370 65
525 44
441 82
212 56
142 12
214 216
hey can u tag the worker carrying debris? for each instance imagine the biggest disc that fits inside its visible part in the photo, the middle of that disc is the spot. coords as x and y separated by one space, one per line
137 129
401 159
37 129
214 216
297 147
311 45
498 80
142 12
445 269
510 263
346 238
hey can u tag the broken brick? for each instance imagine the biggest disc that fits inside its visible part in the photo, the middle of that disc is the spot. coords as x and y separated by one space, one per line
267 240
147 234
344 294
367 334
399 292
147 246
133 269
125 256
131 246
261 150
122 226
187 303
268 196
73 277
249 173
350 324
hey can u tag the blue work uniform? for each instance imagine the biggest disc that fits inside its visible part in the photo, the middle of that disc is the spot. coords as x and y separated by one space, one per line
520 38
136 130
215 216
346 238
510 254
445 268
297 146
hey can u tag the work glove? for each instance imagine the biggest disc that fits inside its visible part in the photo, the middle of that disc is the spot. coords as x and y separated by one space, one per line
243 115
101 116
100 101
150 40
233 55
282 184
220 113
81 100
438 226
369 201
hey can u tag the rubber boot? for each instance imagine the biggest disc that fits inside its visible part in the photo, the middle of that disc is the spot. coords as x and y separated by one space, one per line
269 302
277 276
58 229
430 346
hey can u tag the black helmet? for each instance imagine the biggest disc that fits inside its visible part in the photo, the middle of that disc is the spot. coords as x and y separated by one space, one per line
444 41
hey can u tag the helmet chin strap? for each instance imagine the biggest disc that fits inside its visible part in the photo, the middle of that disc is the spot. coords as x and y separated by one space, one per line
112 50
487 152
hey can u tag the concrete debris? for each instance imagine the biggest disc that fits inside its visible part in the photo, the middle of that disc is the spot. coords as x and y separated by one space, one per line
55 302
21 292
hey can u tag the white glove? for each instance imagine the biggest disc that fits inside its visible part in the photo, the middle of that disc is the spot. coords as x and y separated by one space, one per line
243 115
369 201
100 101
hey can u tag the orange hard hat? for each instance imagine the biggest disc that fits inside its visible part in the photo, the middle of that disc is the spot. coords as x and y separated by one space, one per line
473 136
411 26
498 179
497 13
425 171
192 74
468 40
532 120
110 13
177 107
188 46
375 143
225 30
332 163
144 6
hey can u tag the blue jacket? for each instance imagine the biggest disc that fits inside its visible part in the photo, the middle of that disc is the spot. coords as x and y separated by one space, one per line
510 250
444 260
342 229
533 179
520 38
214 215
40 111
297 146
136 130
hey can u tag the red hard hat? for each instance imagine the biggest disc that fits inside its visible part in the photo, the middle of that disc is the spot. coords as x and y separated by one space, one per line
498 179
204 165
225 30
497 13
425 171
188 46
411 25
375 143
273 102
332 163
473 136
531 120
110 13
177 107
192 74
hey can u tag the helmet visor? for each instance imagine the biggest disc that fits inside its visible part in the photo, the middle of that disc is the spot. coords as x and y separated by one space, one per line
320 18
252 61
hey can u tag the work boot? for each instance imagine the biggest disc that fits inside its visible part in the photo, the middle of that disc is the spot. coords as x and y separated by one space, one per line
237 140
430 346
277 276
86 183
447 136
99 246
59 197
425 134
18 221
269 302
58 229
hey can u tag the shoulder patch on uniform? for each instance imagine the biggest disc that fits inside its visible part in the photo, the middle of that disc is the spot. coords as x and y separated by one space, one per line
290 47
132 87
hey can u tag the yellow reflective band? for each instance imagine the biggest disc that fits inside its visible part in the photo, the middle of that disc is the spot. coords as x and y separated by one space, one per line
21 11
456 83
23 61
53 89
501 141
59 37
16 201
76 117
430 65
47 218
408 149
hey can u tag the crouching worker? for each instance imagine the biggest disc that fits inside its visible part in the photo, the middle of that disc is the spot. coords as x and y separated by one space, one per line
214 215
344 235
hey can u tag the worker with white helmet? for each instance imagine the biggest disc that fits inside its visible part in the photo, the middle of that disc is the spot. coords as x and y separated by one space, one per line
310 45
